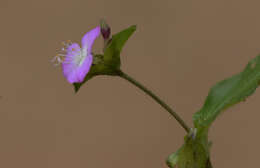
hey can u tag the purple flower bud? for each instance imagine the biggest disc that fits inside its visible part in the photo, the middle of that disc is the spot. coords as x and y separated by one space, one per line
105 29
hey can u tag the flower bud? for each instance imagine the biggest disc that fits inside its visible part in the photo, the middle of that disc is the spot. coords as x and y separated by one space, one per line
105 29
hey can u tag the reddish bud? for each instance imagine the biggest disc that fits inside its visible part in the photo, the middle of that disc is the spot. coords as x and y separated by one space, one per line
105 29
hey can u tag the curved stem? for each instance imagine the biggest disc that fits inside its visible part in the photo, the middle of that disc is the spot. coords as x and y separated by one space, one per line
156 98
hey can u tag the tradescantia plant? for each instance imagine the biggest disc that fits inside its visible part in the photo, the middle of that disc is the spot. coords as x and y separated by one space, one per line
79 65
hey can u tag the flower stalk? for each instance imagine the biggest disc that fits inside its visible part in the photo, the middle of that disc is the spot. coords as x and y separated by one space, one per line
156 98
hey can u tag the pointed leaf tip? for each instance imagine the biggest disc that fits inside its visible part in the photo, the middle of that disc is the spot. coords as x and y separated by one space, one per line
113 50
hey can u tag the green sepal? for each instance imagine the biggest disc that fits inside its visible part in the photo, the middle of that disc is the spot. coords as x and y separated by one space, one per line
99 67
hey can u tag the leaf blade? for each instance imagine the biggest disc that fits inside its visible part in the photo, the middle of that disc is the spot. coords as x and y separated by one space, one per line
229 92
113 50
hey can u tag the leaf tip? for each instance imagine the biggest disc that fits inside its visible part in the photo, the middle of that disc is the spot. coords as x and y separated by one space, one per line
134 27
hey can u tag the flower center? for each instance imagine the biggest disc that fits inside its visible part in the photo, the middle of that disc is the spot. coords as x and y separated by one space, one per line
71 53
79 56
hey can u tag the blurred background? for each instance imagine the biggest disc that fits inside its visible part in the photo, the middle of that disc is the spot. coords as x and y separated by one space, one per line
180 49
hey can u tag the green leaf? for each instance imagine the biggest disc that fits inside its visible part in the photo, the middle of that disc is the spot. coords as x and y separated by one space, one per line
194 153
229 92
173 158
113 50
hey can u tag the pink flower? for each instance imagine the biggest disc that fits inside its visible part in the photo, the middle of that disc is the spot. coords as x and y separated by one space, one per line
76 61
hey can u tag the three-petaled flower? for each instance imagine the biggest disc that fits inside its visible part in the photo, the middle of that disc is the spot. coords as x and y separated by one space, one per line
76 61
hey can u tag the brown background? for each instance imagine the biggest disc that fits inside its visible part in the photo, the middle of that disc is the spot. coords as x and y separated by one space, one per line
179 50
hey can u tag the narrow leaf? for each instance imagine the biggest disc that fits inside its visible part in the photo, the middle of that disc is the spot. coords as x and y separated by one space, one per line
112 52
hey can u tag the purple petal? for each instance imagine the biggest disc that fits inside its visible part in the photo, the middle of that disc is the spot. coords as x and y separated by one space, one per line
89 38
71 49
76 66
82 71
76 74
68 65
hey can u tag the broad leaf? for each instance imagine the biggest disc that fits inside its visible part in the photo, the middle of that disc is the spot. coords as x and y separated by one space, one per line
229 92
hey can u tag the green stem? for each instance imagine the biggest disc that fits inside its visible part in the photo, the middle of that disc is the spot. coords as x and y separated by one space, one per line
156 98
